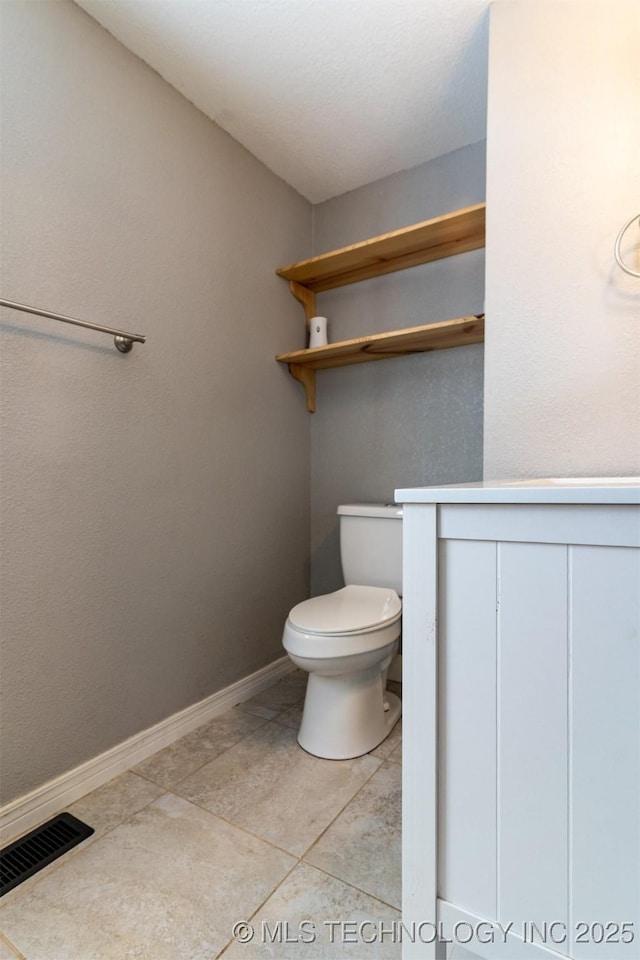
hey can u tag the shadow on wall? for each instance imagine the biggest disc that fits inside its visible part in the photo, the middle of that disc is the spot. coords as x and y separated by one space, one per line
326 560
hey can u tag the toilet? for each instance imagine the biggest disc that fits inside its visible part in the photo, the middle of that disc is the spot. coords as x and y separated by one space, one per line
346 640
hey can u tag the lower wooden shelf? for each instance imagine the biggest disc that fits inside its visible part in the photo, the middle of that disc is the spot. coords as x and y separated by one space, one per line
380 346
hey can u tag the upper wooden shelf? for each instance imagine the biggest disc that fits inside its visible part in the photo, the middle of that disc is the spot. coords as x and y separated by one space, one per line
434 239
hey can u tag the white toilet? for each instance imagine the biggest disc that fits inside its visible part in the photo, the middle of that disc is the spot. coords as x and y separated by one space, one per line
346 640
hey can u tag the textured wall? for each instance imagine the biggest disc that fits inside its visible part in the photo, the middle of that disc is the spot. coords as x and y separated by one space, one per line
562 352
410 421
155 505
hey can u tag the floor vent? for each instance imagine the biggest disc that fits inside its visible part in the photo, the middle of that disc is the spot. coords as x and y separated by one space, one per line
24 857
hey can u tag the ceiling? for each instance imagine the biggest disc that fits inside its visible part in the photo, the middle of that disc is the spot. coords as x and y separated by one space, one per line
329 94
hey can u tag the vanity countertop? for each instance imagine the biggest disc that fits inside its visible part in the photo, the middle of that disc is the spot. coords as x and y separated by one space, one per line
611 490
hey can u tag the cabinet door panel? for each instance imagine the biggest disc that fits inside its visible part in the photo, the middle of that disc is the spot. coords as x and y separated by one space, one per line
467 725
532 733
605 745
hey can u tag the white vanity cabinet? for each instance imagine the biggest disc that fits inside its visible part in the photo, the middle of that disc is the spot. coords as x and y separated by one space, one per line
521 701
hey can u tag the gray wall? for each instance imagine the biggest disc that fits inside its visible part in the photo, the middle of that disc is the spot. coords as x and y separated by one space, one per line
155 505
414 420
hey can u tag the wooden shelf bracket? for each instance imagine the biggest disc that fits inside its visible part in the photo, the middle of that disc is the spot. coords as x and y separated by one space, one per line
307 377
306 297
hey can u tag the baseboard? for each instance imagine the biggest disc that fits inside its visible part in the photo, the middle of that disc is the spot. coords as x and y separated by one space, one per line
22 814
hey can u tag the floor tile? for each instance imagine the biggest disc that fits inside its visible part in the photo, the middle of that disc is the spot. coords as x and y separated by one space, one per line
103 809
8 951
396 755
278 697
384 749
163 885
363 845
256 710
292 717
332 910
270 786
179 759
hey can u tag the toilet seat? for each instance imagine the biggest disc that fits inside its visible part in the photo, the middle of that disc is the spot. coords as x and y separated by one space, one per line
369 618
351 610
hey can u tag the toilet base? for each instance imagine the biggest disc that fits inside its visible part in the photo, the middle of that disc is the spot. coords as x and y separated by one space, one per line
344 716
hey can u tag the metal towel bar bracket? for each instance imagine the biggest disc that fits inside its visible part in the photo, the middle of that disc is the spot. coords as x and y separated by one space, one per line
616 249
123 341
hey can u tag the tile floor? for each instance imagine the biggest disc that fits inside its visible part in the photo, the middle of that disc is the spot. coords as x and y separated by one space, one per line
234 822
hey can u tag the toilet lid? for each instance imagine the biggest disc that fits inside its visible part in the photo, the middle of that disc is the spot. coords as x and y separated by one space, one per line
348 610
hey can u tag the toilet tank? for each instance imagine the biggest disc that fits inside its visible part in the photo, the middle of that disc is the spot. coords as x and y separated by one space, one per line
371 544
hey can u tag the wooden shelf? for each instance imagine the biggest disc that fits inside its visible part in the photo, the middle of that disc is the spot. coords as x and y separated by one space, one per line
434 239
380 346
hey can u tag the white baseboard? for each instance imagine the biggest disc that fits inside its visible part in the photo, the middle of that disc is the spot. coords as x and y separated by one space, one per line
26 812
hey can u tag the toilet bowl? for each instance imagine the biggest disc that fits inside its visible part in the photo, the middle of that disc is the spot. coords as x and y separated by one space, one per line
345 640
